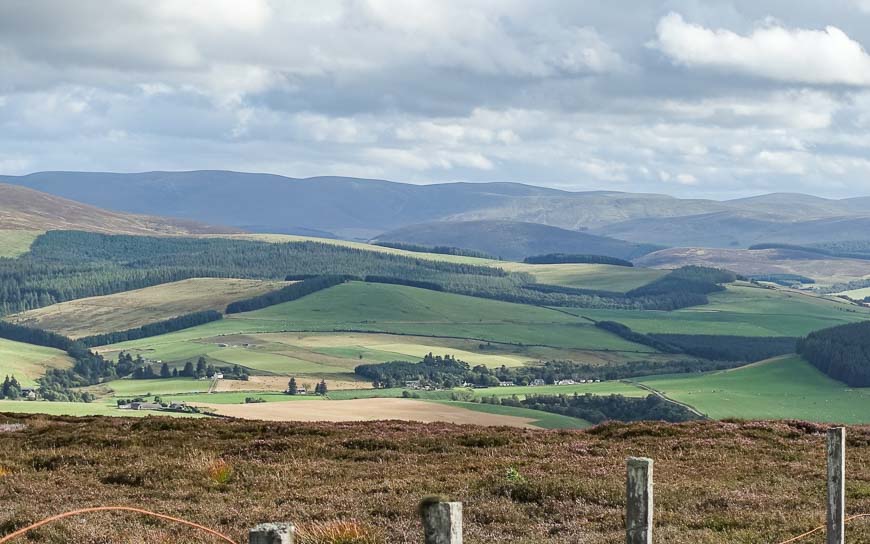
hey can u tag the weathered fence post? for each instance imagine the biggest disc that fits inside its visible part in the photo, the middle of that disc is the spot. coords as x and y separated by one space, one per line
639 501
272 533
836 485
442 522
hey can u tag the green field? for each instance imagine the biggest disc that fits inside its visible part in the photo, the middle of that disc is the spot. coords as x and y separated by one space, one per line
28 362
602 388
79 409
544 420
16 242
742 310
443 323
136 388
782 388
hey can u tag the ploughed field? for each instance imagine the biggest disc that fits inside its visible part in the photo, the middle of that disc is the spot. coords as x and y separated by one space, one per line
714 481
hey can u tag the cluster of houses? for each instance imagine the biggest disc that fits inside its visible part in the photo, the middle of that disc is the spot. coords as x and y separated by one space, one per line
419 386
142 405
539 382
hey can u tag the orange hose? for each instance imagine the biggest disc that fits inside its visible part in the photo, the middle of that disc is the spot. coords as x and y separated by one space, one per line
20 532
799 537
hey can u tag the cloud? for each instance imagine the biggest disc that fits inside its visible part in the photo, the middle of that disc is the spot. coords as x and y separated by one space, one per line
771 51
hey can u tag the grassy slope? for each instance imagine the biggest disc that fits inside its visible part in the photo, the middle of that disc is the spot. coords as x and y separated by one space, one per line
122 311
16 242
742 310
27 362
782 388
381 308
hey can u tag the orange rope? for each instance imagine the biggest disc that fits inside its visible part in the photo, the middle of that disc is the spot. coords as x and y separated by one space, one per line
799 537
20 532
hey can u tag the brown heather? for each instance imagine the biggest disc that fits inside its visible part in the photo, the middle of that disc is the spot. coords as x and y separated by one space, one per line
735 482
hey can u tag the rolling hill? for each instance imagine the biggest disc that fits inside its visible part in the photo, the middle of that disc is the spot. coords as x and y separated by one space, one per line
23 209
739 229
514 240
355 208
752 262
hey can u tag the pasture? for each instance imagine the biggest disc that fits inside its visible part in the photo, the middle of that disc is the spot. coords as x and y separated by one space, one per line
781 388
131 309
400 323
28 362
14 243
741 310
78 409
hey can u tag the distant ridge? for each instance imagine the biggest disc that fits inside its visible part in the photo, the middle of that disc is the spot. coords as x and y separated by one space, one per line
362 209
26 209
514 240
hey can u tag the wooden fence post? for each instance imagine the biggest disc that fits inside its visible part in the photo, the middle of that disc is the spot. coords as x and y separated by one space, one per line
639 501
836 485
442 522
272 533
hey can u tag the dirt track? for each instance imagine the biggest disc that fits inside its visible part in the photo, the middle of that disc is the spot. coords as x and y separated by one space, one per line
365 410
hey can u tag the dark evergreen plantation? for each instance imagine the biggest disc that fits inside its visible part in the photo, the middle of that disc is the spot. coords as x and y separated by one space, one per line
842 352
66 265
563 258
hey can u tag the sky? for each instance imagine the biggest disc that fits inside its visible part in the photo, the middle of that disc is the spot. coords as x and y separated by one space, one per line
686 97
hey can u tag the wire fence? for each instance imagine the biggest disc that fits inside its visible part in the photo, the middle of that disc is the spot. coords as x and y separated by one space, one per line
442 521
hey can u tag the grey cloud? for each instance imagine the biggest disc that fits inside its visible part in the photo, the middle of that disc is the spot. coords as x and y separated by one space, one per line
571 94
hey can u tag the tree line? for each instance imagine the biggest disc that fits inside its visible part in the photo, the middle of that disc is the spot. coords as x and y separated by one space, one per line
841 352
565 258
708 346
290 292
152 329
601 408
441 250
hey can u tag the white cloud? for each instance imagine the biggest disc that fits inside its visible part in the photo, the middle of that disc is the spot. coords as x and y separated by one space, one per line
826 56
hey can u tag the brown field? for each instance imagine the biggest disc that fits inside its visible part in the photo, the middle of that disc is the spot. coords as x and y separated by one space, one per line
279 383
365 410
131 309
716 482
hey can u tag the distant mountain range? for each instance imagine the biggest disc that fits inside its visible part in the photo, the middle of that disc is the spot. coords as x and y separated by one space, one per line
365 209
26 209
514 240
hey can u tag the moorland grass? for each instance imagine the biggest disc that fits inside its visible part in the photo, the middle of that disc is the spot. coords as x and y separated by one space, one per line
715 481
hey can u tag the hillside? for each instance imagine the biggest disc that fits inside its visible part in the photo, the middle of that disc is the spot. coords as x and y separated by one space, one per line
514 240
570 486
23 209
131 309
823 269
739 229
365 208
